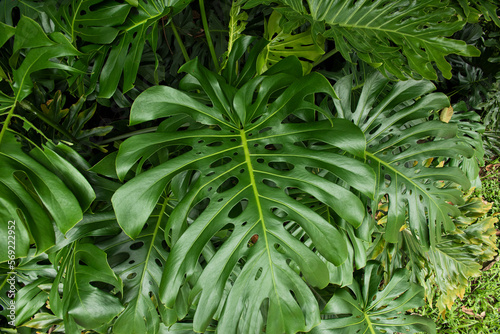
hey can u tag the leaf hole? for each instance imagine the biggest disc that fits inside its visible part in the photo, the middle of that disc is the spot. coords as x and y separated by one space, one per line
158 262
228 184
131 275
238 209
136 245
258 273
265 129
260 160
215 144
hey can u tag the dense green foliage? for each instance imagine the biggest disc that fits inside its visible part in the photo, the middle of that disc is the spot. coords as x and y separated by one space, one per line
164 169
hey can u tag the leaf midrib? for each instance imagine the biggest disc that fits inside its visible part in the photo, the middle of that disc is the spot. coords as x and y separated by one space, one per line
259 208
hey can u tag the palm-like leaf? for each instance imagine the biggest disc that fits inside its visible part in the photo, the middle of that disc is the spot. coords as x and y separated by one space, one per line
81 269
37 189
400 145
246 162
372 310
405 38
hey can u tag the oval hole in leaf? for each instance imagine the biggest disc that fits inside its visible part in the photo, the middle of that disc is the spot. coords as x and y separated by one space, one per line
281 166
228 184
258 273
131 275
238 209
215 143
136 245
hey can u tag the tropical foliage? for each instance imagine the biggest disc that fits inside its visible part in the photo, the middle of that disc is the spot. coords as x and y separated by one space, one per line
167 170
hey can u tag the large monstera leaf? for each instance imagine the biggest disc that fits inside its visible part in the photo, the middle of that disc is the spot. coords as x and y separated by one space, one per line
255 147
403 148
366 308
402 38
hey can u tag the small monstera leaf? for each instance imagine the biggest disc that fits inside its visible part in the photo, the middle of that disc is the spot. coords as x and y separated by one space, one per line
127 50
281 45
401 38
401 148
254 148
84 275
94 21
366 308
139 262
37 189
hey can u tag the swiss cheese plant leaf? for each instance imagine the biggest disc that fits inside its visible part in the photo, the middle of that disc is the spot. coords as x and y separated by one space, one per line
282 45
127 50
94 21
402 38
401 146
253 150
37 189
139 262
366 308
85 276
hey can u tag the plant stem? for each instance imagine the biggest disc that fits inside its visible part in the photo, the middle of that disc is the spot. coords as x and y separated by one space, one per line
325 57
130 134
6 122
179 41
31 108
207 34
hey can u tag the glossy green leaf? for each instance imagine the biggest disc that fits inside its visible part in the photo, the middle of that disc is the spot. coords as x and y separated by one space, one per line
282 45
94 21
368 309
42 50
6 32
401 146
127 50
139 262
82 302
34 195
404 38
243 175
30 299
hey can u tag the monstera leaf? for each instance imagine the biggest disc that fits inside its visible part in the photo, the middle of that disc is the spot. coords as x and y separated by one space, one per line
255 147
401 146
37 189
139 263
368 309
84 275
402 38
282 45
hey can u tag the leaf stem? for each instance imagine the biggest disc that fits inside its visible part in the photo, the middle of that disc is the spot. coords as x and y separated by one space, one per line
6 122
130 134
179 41
325 57
207 34
31 108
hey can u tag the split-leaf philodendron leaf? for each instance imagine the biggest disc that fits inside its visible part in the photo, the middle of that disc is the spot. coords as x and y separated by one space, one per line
366 308
254 149
402 38
401 146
